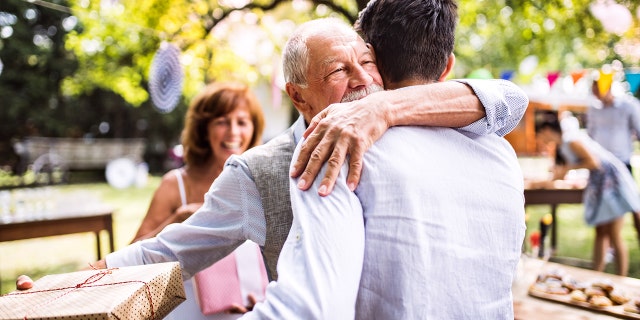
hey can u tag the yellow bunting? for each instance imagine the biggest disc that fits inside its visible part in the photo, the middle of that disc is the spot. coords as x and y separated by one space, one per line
604 82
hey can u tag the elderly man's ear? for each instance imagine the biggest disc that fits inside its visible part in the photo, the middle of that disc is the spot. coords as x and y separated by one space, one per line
296 97
450 63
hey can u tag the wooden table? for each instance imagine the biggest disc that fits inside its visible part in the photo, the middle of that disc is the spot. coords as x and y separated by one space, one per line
84 219
529 307
553 198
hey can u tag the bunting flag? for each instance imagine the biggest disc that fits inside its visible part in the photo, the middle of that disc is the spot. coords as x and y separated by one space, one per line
165 78
506 75
576 75
633 77
552 77
276 92
604 82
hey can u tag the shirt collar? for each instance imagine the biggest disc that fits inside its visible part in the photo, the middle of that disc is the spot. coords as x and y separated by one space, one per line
298 129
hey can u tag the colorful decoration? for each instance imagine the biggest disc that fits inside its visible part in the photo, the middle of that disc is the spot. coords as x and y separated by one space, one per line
576 75
165 78
506 74
615 18
604 81
633 78
552 77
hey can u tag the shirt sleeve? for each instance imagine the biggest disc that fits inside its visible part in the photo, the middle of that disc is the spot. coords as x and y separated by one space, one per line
634 110
231 214
320 264
504 103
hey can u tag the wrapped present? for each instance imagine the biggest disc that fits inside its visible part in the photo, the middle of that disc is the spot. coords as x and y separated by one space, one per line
139 292
228 281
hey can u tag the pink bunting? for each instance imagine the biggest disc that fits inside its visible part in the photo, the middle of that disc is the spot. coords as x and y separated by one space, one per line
552 77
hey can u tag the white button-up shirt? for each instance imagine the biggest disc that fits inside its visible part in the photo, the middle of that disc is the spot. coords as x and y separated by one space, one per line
433 231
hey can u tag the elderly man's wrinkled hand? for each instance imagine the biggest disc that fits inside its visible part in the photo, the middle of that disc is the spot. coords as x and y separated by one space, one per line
339 130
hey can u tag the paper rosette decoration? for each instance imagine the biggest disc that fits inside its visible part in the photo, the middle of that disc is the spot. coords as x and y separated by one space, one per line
604 82
165 78
633 77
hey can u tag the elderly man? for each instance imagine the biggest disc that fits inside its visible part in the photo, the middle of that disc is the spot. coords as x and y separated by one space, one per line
435 227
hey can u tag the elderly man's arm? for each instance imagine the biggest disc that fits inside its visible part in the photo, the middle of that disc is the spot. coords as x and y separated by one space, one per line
351 128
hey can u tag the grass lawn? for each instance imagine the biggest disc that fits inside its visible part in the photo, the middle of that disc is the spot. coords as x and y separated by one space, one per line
38 257
58 254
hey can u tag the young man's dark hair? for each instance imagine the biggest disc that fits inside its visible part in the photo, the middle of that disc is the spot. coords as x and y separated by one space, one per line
412 39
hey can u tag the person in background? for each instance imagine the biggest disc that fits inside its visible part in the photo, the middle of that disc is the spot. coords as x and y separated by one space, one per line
421 237
610 193
222 120
614 122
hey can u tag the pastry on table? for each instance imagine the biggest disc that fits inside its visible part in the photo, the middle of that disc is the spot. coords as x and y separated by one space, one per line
600 301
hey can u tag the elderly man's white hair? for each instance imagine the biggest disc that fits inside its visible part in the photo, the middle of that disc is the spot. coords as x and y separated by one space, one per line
295 56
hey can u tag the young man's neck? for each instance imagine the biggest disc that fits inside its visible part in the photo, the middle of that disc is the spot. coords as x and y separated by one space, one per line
406 83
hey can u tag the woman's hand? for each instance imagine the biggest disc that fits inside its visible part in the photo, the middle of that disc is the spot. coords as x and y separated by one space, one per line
559 172
236 308
185 212
24 282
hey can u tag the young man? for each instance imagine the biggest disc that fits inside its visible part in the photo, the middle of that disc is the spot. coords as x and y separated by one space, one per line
435 227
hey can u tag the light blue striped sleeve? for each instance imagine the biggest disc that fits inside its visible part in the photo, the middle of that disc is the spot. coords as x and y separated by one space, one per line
504 102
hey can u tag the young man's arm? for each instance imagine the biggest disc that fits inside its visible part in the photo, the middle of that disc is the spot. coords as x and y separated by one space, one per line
320 264
351 128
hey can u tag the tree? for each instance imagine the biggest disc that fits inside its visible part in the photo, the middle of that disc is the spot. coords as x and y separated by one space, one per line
563 35
122 37
35 62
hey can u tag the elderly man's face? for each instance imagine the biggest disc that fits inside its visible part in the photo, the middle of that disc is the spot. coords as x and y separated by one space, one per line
341 68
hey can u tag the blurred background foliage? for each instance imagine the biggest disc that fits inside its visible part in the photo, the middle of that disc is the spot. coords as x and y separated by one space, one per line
68 66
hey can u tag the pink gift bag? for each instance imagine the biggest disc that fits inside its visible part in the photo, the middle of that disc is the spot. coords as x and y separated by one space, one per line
231 279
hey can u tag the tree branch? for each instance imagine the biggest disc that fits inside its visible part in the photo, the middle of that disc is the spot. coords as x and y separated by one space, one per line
266 7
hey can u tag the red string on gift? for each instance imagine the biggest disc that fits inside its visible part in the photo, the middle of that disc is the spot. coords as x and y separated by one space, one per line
88 283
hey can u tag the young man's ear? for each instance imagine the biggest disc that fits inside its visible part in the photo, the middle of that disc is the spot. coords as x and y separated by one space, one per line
450 63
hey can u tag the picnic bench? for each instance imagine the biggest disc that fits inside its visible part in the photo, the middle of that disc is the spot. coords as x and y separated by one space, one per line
55 156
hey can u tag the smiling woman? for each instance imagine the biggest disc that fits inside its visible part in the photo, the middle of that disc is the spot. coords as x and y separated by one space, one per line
223 120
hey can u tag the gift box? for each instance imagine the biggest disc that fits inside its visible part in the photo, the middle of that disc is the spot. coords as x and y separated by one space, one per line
228 281
138 292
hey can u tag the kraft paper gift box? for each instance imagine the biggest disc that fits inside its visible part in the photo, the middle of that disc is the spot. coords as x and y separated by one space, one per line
139 292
